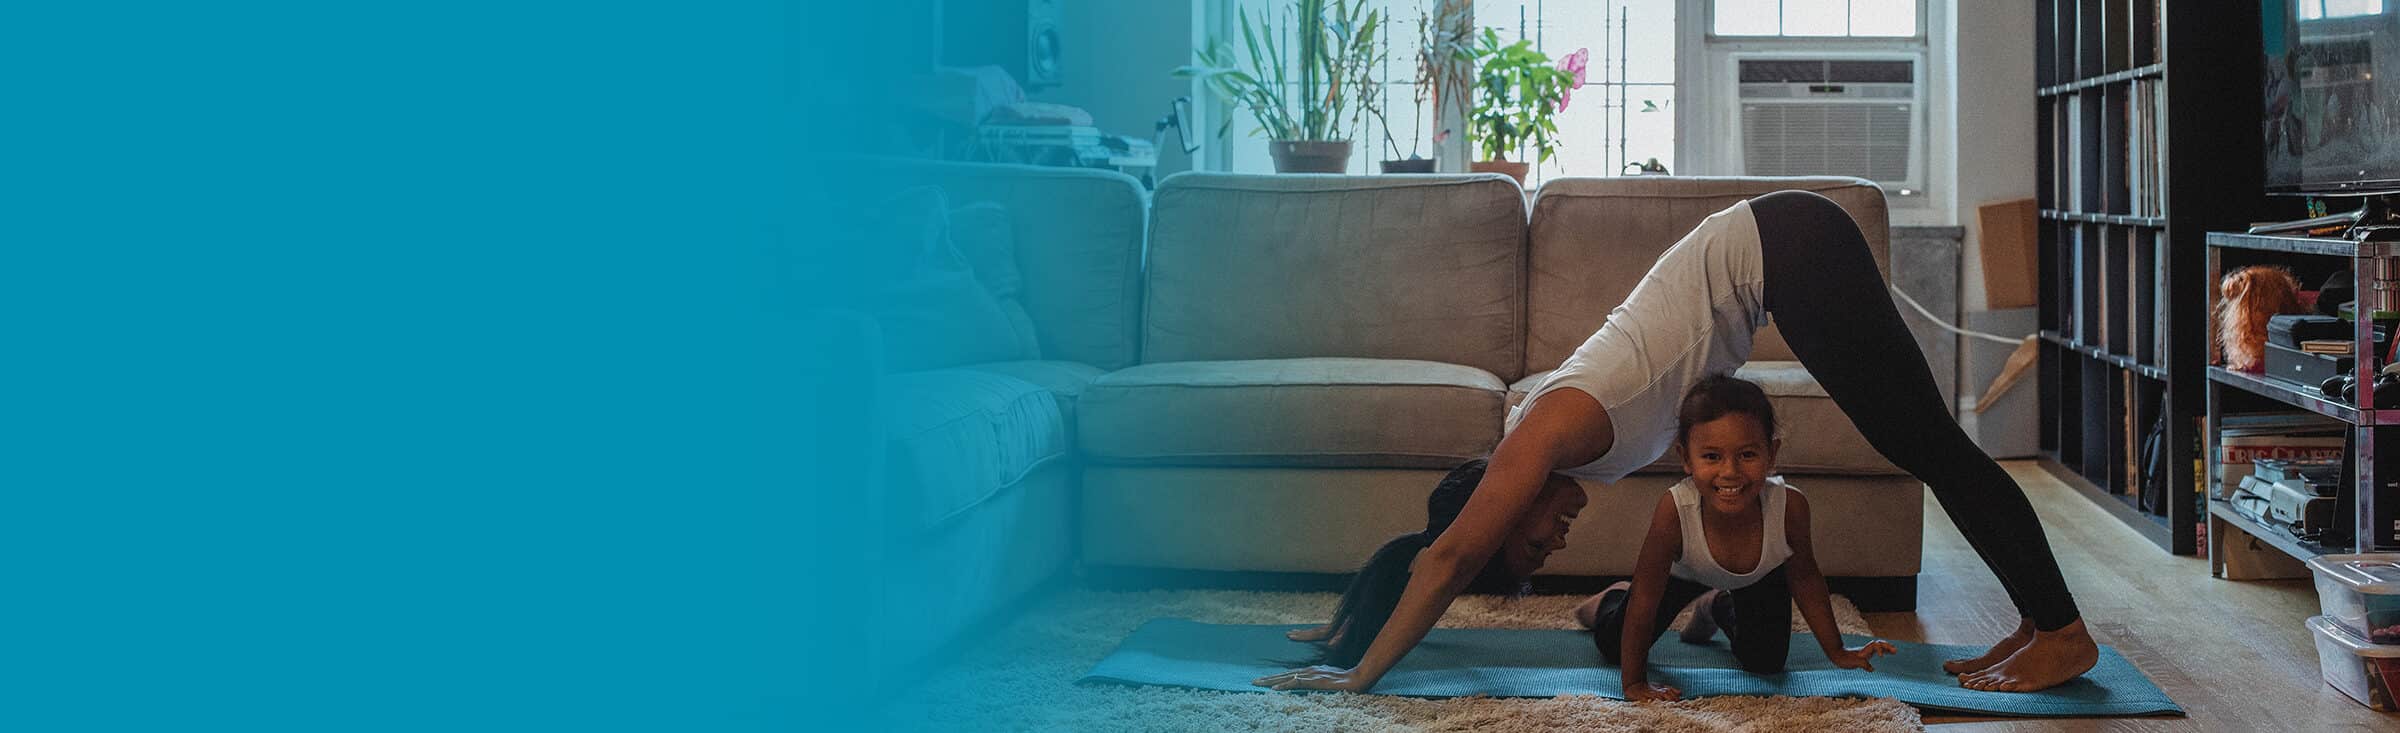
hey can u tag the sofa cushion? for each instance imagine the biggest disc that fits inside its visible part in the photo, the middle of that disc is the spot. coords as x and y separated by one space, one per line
1078 234
932 308
1064 379
1379 413
959 436
1592 240
982 233
1386 267
1818 437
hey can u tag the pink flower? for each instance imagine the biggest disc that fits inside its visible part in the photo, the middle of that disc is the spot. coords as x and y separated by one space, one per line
1573 63
1441 136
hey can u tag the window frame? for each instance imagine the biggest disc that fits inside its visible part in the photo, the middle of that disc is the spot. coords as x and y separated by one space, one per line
1709 9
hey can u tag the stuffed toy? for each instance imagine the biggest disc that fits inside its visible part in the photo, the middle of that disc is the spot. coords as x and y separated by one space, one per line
2246 298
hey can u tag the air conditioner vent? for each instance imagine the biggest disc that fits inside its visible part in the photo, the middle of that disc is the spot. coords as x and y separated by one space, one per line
1867 141
1838 117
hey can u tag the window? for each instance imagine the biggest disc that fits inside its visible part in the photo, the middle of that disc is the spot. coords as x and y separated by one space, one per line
2322 9
1410 127
1816 18
1625 112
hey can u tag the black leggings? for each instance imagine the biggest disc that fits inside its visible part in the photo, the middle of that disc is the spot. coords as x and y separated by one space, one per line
1829 301
1760 627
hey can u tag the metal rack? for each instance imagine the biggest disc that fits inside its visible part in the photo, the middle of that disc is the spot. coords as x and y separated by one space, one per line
2368 506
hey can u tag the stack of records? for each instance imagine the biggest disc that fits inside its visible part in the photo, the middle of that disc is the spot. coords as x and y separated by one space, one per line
1065 145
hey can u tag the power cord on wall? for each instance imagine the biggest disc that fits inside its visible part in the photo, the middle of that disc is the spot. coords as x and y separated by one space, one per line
2018 361
1946 325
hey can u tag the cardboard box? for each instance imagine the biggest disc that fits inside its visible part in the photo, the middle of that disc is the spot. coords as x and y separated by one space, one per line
2236 452
2011 427
2008 231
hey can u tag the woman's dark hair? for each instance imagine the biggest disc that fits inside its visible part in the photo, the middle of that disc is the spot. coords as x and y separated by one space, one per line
1718 396
1375 591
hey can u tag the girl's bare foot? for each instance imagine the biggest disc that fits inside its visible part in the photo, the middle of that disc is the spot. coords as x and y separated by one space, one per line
2051 659
1588 612
1704 619
1999 652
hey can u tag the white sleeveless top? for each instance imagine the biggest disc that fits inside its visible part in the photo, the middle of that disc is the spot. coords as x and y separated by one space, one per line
1692 316
1700 566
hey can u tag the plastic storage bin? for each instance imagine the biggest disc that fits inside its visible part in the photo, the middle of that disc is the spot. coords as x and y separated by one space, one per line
2366 672
2361 592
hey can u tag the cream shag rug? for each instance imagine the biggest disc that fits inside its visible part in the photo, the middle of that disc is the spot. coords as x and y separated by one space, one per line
1022 677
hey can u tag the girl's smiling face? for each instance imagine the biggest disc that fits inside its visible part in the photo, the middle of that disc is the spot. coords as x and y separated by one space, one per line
1729 459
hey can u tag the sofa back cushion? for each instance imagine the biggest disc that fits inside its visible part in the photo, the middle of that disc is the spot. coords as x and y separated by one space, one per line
1594 238
934 308
1291 266
1078 240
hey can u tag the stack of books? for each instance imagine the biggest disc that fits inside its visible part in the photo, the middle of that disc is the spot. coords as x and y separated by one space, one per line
2336 347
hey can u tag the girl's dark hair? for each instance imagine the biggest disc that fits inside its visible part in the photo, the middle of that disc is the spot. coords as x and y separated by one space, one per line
1375 591
1718 396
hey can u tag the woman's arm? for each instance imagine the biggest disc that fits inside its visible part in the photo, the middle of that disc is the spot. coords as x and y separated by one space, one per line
1808 587
1641 605
1566 428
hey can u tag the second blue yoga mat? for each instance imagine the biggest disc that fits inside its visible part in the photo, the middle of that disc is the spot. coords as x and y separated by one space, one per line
1548 663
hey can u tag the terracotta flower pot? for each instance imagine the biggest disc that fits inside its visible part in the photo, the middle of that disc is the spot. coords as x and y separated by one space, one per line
1310 156
1514 169
1411 165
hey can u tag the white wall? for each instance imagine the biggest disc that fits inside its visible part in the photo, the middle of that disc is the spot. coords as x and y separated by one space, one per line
1995 111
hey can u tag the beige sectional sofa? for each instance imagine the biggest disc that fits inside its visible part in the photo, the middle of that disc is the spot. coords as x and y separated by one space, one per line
1256 379
1318 350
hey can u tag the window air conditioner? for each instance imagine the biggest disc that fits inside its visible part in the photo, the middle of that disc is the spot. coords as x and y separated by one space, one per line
1841 116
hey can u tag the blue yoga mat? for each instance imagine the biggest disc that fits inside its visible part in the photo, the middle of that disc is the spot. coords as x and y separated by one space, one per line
1548 663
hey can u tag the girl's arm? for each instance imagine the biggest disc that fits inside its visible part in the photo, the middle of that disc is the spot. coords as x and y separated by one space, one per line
1808 587
1567 428
1641 604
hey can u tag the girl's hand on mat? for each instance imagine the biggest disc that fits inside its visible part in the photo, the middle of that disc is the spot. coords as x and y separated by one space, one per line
1858 658
1651 692
1319 677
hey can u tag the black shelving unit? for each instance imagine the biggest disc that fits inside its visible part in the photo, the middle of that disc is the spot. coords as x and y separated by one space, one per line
2149 139
2373 440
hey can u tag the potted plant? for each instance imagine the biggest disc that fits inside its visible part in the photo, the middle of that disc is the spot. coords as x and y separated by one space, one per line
1446 50
1445 65
1414 163
1309 104
1518 91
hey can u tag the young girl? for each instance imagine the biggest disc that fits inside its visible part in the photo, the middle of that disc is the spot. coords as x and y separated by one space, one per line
1732 536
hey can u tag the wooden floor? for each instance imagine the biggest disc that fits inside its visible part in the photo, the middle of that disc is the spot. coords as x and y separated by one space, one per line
2234 654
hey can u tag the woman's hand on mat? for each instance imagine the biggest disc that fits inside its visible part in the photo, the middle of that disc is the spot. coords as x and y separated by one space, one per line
1319 677
1651 692
1860 658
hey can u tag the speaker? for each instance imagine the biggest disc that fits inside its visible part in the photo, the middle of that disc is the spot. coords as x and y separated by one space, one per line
1020 36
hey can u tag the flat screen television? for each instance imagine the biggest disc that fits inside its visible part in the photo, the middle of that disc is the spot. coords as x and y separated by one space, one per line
2332 82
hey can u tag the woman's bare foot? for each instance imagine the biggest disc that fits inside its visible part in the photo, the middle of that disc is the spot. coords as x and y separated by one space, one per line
1588 612
2051 659
1999 652
1704 619
1320 633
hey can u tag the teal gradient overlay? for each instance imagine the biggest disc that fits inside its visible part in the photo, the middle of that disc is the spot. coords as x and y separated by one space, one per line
435 366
